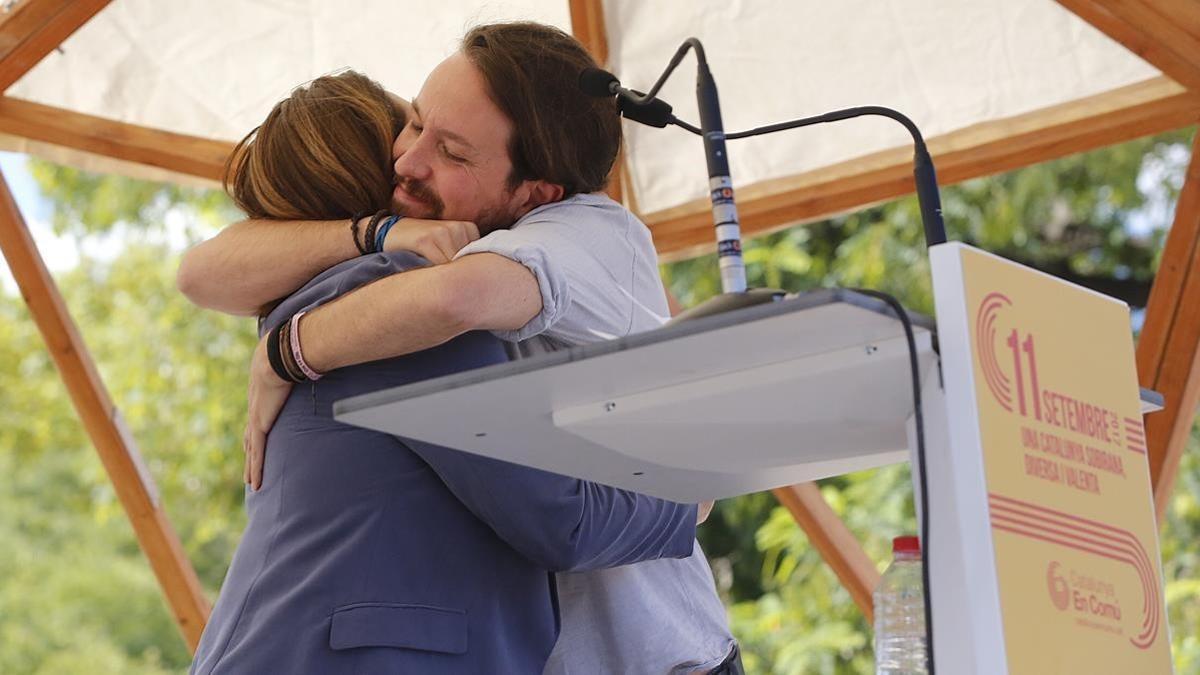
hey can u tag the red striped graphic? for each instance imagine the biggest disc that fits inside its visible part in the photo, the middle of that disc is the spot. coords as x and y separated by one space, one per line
1135 435
985 346
1058 528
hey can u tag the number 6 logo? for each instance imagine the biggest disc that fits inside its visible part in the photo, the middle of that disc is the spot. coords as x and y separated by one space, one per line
1060 593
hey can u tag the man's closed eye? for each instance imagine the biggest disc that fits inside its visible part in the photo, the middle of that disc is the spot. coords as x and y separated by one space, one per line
451 156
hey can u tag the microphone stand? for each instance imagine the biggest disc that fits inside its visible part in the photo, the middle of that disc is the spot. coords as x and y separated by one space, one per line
720 187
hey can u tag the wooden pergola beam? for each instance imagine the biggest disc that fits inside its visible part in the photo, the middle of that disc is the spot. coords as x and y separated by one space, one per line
1164 33
1168 351
164 149
834 541
34 28
587 25
1149 107
131 480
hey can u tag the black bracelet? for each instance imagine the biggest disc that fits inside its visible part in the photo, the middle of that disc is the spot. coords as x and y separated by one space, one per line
288 356
369 236
274 357
354 231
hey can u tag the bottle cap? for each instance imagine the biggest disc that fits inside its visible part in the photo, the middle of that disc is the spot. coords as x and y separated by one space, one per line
907 544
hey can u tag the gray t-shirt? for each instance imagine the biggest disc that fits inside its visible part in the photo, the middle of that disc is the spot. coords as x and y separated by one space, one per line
598 273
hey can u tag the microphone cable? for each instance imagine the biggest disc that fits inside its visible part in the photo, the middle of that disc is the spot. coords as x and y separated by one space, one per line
924 174
919 423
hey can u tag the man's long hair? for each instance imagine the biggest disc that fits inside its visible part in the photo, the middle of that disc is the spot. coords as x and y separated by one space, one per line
560 135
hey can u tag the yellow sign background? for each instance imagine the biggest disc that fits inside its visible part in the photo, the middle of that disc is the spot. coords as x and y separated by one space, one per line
1068 483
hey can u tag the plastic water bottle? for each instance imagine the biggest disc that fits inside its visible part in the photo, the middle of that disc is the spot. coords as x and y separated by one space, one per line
900 613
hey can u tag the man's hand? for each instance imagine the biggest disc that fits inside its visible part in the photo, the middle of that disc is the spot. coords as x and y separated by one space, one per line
267 395
438 241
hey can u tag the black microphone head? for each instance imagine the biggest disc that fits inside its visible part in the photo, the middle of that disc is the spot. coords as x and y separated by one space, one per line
598 83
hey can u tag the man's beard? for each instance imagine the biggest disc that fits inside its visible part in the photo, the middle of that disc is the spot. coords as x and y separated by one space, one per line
494 219
488 218
421 192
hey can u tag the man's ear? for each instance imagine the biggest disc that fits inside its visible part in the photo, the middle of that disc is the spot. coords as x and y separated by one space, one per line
538 193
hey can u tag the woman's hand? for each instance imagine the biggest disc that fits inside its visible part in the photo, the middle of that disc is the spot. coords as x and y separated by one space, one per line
267 395
436 240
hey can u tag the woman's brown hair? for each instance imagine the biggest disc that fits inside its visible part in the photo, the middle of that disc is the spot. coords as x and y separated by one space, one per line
323 153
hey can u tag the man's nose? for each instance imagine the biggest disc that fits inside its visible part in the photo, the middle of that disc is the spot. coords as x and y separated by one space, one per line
411 161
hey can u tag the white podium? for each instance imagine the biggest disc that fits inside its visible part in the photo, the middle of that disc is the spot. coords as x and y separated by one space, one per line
815 385
812 386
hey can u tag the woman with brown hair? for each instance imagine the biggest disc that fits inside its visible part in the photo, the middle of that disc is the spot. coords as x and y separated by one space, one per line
368 553
325 153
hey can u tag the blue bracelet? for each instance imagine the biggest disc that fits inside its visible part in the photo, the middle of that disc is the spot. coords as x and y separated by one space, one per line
381 235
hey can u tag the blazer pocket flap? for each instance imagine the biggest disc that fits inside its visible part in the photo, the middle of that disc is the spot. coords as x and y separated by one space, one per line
384 624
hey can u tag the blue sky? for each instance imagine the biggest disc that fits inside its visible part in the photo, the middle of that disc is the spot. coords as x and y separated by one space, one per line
60 253
21 183
63 253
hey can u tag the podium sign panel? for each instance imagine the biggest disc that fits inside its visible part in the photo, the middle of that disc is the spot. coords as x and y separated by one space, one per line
1041 383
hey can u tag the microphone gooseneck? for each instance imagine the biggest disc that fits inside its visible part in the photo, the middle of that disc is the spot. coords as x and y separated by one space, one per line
647 109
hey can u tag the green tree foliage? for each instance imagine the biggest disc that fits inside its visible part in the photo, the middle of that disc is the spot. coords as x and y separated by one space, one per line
1181 561
76 595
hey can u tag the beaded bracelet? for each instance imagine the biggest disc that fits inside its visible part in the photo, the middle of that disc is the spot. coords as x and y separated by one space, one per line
358 244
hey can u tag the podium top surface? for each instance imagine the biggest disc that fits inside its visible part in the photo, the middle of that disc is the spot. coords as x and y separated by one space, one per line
886 325
807 387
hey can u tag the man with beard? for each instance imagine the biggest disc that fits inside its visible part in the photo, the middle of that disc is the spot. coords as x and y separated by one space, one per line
500 143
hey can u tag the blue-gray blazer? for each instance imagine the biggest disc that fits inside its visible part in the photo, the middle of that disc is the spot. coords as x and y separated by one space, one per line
367 553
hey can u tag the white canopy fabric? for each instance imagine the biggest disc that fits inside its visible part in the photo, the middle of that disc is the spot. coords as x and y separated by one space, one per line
213 68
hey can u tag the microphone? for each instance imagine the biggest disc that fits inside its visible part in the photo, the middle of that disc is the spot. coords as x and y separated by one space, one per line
633 105
598 83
